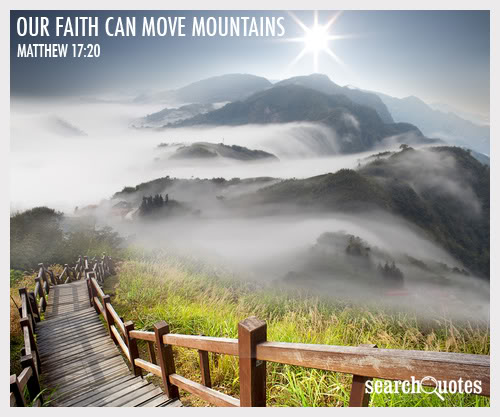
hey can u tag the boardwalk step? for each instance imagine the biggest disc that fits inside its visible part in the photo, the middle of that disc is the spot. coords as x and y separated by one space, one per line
82 363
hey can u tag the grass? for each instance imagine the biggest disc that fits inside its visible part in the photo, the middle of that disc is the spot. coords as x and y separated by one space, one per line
195 299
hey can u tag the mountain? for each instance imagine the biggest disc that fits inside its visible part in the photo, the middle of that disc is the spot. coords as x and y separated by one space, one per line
435 123
357 127
476 118
205 150
171 115
223 88
322 83
442 190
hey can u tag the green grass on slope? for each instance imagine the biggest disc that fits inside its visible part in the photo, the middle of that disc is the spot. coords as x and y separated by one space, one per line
194 300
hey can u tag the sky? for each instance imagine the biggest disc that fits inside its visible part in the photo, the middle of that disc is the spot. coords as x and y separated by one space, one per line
439 56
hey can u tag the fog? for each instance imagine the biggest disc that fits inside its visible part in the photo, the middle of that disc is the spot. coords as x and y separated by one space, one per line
67 154
267 249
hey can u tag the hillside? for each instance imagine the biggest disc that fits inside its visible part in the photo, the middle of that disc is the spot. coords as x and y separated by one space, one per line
442 190
205 150
359 128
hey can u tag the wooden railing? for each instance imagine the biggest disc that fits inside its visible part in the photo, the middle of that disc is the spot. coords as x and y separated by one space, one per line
26 379
363 362
251 347
33 304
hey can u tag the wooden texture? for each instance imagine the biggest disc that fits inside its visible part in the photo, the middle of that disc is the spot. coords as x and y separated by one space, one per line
251 332
389 364
152 352
213 397
205 368
210 344
359 397
81 362
148 366
16 390
165 359
133 350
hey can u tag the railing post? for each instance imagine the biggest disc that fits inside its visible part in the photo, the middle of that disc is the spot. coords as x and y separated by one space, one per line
358 397
16 390
25 322
44 278
94 293
152 353
41 293
166 359
132 347
205 368
251 332
34 305
29 311
89 288
33 383
109 318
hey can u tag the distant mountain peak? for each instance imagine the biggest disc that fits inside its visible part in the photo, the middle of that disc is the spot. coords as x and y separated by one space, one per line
324 84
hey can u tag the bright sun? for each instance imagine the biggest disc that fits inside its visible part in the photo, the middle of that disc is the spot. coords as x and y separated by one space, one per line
316 39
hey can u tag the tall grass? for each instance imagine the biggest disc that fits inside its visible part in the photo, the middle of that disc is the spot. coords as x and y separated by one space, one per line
194 299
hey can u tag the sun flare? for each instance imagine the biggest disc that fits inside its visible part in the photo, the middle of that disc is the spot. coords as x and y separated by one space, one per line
317 39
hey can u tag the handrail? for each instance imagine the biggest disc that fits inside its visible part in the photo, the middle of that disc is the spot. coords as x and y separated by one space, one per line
121 343
118 321
33 303
27 378
252 349
208 394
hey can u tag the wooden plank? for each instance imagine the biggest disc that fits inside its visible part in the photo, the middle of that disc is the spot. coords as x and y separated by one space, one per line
121 343
93 369
109 395
65 388
87 324
389 364
120 395
100 292
98 304
156 402
251 332
78 354
74 332
153 393
210 344
120 402
23 377
148 366
73 351
91 381
83 363
104 389
116 318
142 335
208 394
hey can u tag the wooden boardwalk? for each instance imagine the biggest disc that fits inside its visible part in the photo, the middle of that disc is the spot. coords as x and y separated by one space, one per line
82 363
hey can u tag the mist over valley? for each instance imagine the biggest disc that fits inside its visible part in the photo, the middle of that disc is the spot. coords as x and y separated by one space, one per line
300 184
